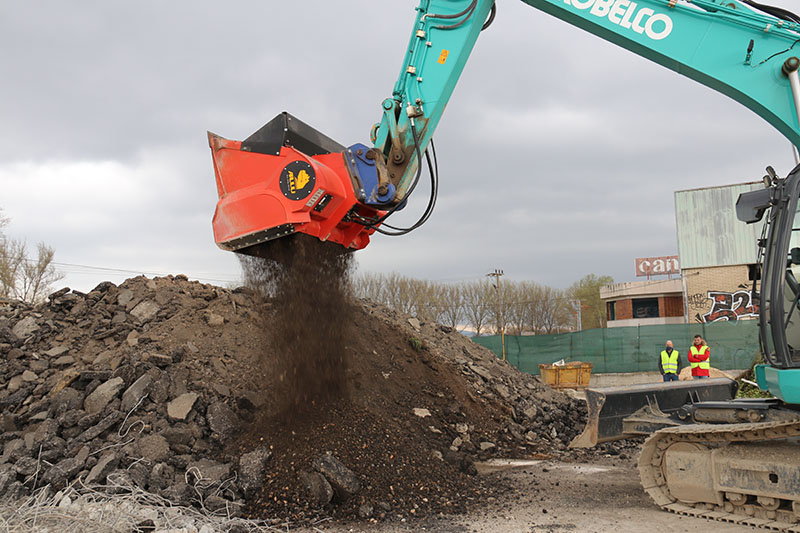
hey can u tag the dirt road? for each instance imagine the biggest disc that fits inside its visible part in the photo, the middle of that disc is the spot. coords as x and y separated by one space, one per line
552 497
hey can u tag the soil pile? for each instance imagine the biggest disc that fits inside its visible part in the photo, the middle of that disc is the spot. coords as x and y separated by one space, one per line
168 385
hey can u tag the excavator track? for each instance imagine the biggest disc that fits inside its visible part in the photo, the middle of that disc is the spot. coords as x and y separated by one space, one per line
777 515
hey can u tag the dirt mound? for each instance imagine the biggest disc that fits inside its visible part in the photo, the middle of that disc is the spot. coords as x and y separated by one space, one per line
686 374
169 385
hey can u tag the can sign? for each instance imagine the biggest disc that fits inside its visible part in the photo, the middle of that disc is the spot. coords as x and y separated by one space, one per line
654 266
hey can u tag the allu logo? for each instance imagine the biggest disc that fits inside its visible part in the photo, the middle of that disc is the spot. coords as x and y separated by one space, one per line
297 180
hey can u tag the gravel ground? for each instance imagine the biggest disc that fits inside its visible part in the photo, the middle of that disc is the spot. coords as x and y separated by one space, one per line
559 497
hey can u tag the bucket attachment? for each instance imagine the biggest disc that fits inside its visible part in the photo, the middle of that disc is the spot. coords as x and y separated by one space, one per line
285 178
620 412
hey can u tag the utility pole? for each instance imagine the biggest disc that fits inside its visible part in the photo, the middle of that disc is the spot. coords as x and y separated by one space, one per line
578 306
500 322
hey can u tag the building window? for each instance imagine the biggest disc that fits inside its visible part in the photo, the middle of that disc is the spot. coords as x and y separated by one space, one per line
645 308
612 312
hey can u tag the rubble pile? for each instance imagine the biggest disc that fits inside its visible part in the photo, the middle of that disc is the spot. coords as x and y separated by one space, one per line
165 384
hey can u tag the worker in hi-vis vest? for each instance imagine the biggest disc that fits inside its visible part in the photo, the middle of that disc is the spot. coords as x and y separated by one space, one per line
670 363
699 354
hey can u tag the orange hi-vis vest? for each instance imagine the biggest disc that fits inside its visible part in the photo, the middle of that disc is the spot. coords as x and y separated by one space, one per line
700 368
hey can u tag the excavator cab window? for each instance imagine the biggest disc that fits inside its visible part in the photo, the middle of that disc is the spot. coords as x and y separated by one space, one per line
779 312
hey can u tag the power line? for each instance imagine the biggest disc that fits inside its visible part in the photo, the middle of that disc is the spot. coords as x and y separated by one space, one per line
93 268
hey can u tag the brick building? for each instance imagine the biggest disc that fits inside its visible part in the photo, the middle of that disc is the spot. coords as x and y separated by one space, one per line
641 303
717 256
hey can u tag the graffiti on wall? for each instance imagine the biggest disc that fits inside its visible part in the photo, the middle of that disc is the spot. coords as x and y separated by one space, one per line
697 301
729 306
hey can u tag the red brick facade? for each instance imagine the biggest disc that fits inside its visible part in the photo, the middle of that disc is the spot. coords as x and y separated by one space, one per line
668 306
624 309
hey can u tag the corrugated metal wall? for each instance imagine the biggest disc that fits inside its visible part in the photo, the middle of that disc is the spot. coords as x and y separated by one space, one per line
709 234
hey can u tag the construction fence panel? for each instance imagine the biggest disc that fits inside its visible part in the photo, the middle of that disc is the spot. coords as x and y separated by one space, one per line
734 345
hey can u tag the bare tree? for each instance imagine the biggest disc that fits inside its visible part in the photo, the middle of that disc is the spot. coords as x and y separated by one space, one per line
451 305
21 277
521 299
517 307
369 287
12 260
478 303
552 310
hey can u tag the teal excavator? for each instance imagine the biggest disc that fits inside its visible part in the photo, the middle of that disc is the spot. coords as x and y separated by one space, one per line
707 454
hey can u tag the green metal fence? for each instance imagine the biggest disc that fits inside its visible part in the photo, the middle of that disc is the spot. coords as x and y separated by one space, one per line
631 349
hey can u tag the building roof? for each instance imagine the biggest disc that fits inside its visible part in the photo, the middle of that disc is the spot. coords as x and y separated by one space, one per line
649 289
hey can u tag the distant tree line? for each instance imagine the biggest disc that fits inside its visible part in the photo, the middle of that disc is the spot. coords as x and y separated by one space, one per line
23 277
485 306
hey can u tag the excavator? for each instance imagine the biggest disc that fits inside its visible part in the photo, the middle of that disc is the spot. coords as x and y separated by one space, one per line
707 454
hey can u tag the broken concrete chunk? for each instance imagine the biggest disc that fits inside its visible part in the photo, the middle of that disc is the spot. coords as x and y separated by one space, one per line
160 360
15 383
102 395
133 338
208 472
146 310
57 351
221 418
503 391
25 327
153 448
179 408
415 323
125 297
64 361
319 490
213 319
119 318
104 466
252 467
482 372
422 413
343 481
136 392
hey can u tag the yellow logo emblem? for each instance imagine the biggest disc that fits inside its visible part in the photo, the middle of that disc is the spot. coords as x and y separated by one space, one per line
297 180
298 183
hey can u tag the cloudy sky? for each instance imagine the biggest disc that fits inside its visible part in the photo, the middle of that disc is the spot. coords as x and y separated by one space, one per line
559 153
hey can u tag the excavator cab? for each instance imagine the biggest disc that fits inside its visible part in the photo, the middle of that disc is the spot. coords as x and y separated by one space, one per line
779 293
779 262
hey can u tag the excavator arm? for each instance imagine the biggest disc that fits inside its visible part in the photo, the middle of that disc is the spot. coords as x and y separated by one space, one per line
725 45
287 177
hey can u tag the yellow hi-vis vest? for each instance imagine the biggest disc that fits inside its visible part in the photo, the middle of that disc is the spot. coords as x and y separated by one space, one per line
669 362
705 365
